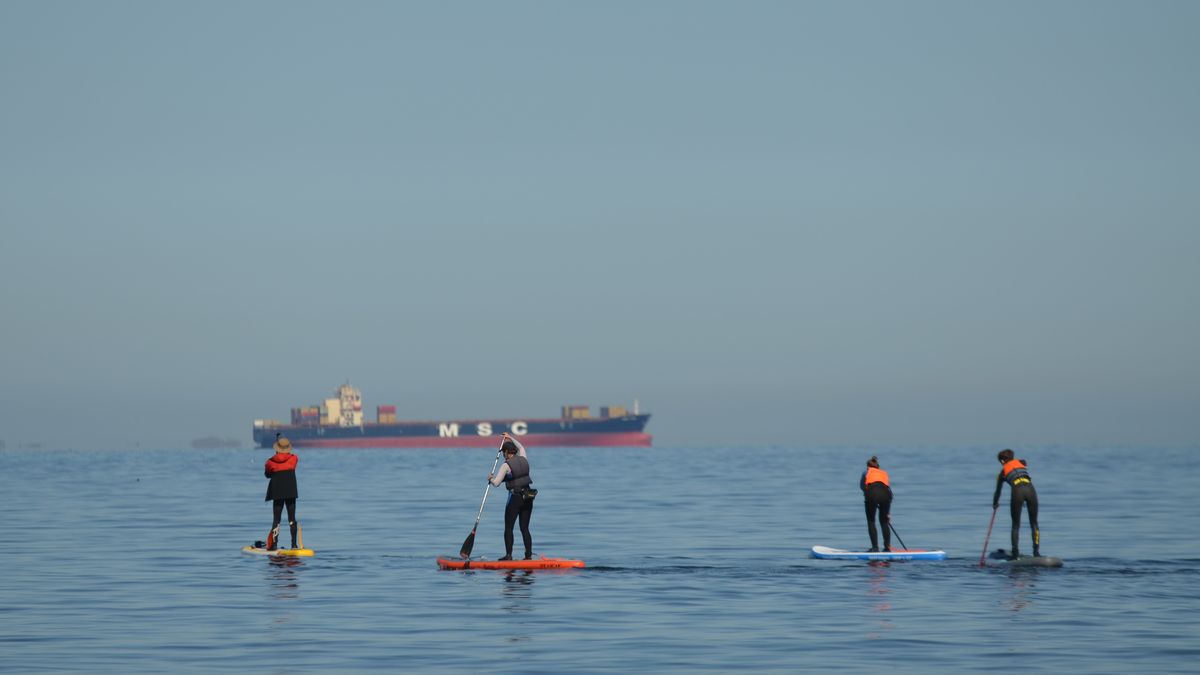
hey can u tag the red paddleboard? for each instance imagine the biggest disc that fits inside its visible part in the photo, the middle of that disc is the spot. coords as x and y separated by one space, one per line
541 563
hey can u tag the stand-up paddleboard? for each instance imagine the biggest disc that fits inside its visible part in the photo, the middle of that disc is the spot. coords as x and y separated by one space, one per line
294 552
540 563
1000 557
265 548
827 553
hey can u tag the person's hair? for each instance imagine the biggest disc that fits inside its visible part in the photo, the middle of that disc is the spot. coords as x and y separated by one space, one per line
509 448
1005 456
873 462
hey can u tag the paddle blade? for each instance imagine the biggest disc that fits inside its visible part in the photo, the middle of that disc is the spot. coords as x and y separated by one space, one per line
465 551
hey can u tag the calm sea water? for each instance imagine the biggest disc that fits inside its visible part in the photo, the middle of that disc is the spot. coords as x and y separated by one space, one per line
129 561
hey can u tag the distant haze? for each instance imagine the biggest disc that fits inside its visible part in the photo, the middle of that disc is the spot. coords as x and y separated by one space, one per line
770 223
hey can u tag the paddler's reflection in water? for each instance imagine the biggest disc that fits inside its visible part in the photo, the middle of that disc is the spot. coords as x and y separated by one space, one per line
283 577
1023 584
518 597
878 591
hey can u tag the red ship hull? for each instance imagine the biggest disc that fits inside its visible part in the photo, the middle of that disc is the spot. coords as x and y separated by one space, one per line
631 439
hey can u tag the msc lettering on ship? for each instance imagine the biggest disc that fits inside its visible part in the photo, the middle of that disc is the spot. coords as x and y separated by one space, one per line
451 429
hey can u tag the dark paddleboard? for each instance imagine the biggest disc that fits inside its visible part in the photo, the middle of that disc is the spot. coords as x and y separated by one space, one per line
1000 557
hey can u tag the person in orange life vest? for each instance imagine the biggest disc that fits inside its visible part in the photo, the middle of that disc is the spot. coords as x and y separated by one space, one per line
515 474
877 495
1016 474
281 491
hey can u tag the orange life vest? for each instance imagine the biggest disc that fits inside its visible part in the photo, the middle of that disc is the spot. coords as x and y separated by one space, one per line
1014 471
876 476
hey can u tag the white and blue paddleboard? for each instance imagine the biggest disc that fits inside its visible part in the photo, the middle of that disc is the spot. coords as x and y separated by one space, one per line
827 553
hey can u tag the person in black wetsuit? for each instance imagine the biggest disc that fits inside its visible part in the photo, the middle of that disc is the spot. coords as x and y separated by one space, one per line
1016 474
514 473
877 495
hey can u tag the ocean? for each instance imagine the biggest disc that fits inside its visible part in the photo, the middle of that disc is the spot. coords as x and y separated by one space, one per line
698 561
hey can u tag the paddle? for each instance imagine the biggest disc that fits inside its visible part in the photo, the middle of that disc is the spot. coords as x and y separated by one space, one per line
983 555
896 533
465 551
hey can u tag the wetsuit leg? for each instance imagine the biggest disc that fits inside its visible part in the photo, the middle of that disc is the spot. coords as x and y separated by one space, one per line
276 513
511 511
525 514
1031 504
885 508
291 510
1014 509
871 508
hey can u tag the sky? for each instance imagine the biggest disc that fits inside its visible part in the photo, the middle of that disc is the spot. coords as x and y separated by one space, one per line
771 223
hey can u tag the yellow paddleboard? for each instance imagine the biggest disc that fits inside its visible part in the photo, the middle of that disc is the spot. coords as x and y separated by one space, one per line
295 552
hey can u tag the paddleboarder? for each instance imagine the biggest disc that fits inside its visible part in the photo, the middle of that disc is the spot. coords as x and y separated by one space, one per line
877 495
281 491
1015 472
514 473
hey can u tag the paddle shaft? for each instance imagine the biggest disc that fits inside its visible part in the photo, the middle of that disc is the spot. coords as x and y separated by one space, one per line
983 555
469 543
486 490
902 545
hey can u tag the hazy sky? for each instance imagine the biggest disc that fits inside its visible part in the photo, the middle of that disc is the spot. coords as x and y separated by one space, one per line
769 222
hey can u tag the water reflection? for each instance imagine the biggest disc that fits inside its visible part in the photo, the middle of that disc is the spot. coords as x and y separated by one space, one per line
517 594
283 577
878 591
1022 583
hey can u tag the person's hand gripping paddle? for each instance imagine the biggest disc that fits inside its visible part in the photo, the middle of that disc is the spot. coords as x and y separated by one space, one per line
469 543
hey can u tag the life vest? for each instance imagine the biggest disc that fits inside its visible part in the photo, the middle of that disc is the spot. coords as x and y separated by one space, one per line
518 473
875 475
1015 473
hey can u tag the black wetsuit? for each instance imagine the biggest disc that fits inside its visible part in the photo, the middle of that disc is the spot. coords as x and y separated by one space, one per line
877 497
1023 493
520 506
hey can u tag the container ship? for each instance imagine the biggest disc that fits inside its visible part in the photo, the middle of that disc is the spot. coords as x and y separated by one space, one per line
339 423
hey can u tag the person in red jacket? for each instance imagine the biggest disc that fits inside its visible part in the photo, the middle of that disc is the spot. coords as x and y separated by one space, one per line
281 491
